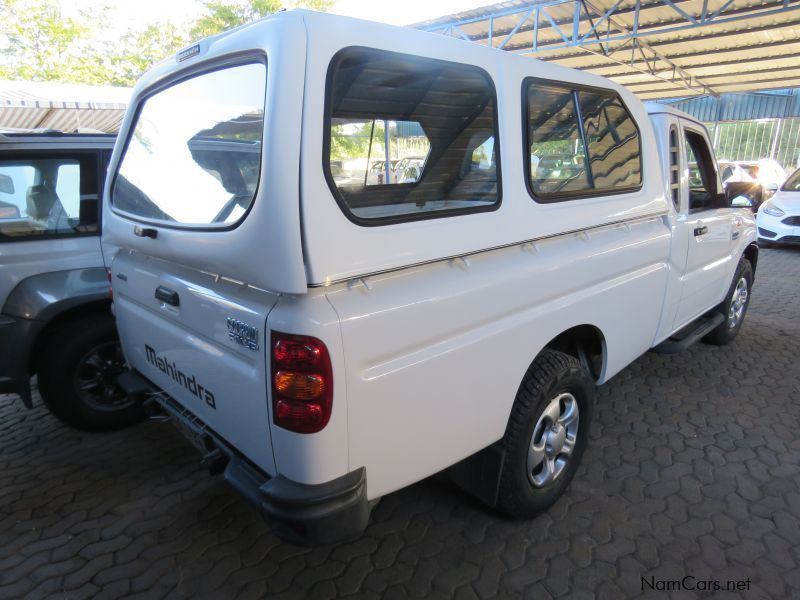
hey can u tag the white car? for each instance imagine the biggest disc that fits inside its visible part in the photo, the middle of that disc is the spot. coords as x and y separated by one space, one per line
732 171
778 219
766 171
330 344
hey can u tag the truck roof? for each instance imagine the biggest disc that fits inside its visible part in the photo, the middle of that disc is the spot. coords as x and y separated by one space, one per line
319 24
654 108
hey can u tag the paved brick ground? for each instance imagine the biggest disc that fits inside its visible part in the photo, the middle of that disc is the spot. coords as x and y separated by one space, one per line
692 470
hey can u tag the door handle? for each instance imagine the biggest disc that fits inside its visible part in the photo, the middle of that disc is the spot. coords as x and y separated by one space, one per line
700 230
167 296
143 232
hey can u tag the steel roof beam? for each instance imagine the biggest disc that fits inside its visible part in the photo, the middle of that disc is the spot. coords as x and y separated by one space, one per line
721 16
655 65
684 55
749 83
724 75
725 63
696 38
605 31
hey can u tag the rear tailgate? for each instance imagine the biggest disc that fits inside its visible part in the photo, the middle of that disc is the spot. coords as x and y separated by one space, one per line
200 338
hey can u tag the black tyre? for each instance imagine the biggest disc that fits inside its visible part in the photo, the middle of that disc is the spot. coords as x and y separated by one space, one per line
546 434
78 369
734 307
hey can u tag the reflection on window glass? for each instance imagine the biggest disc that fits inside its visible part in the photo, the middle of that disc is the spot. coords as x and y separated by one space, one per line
46 196
793 182
612 140
194 157
558 161
409 136
702 173
695 176
68 188
359 150
601 153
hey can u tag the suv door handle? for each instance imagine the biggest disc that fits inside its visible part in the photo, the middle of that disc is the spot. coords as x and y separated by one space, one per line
700 230
167 296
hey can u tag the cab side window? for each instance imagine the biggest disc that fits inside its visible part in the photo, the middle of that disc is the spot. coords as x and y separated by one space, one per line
46 195
702 175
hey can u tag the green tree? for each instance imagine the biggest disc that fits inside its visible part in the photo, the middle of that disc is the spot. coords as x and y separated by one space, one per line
42 45
221 16
139 50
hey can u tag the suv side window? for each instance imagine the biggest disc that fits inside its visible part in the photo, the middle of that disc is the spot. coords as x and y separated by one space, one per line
703 180
582 142
409 138
44 195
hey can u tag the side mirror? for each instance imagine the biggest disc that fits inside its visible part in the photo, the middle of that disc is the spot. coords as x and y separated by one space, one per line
744 194
6 184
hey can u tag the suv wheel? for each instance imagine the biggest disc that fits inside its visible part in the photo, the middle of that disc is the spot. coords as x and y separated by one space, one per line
78 373
546 433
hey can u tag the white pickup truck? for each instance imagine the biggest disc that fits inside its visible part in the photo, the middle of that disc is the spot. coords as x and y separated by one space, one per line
329 337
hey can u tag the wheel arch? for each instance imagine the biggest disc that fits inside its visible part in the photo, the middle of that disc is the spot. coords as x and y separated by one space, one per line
480 473
67 314
586 343
751 254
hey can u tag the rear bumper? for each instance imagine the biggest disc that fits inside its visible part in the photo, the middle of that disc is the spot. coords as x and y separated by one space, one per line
299 513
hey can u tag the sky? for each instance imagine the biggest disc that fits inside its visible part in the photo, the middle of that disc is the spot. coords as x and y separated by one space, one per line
139 13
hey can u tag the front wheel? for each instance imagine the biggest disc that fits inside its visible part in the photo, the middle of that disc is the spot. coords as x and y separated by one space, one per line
78 372
734 307
546 434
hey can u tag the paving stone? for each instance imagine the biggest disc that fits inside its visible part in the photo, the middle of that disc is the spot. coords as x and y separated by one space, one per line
693 468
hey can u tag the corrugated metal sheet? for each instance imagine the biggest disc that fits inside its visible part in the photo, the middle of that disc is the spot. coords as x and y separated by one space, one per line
64 107
754 45
743 107
409 129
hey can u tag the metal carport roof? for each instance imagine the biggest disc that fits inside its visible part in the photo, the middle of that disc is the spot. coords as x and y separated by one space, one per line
657 48
63 107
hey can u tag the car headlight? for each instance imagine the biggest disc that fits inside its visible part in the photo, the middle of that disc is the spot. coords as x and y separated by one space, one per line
773 210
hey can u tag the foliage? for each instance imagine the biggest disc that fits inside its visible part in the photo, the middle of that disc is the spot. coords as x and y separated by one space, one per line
352 141
139 50
221 16
40 44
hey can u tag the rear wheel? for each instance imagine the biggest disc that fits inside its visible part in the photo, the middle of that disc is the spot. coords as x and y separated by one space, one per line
546 434
78 372
734 307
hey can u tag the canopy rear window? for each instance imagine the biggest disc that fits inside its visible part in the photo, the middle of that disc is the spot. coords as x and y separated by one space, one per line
194 157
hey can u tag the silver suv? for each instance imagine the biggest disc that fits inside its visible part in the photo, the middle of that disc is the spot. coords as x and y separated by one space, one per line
55 320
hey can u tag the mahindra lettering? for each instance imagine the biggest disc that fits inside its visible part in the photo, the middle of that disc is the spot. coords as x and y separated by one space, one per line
343 265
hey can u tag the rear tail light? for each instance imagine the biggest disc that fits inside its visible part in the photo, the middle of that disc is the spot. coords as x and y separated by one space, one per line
302 383
110 290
